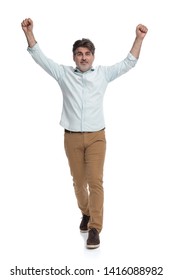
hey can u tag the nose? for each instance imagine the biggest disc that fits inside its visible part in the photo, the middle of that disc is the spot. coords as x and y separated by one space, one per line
83 56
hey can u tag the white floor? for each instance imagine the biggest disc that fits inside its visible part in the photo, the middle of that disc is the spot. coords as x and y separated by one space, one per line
41 230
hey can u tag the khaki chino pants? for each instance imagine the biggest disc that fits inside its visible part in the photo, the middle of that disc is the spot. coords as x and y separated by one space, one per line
86 154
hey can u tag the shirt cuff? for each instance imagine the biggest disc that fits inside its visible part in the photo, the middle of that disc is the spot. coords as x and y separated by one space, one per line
132 57
35 47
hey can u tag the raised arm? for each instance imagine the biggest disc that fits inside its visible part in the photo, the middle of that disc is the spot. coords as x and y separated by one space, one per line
27 26
141 31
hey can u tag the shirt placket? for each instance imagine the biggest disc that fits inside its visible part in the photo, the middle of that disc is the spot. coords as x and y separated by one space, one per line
83 113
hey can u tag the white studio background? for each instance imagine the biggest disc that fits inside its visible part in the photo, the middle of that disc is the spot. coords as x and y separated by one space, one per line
39 215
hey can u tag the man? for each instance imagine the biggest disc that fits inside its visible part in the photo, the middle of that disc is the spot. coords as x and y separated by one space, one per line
82 117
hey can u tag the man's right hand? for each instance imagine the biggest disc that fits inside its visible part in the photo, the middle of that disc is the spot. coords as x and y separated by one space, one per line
27 25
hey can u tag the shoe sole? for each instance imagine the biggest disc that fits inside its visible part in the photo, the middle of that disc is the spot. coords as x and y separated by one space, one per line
92 246
83 231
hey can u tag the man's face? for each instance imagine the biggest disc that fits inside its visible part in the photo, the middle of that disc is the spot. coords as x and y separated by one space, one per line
83 58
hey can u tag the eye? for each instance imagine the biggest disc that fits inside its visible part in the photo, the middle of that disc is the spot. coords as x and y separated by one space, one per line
88 54
78 54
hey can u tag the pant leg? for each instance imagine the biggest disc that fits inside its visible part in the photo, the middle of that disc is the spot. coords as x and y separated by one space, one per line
75 151
95 144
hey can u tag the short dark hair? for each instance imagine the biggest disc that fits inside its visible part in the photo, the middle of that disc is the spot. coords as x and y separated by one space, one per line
84 43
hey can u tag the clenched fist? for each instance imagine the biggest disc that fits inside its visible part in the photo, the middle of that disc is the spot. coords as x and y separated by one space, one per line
27 25
141 31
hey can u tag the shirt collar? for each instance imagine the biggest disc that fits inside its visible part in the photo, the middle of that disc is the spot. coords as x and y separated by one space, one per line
78 70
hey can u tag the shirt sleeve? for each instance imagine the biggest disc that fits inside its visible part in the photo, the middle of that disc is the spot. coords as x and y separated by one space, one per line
118 69
52 68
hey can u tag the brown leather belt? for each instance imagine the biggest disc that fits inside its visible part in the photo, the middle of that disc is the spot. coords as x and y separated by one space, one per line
68 131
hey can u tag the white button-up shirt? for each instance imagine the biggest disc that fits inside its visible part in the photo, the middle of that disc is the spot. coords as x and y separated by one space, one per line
83 92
